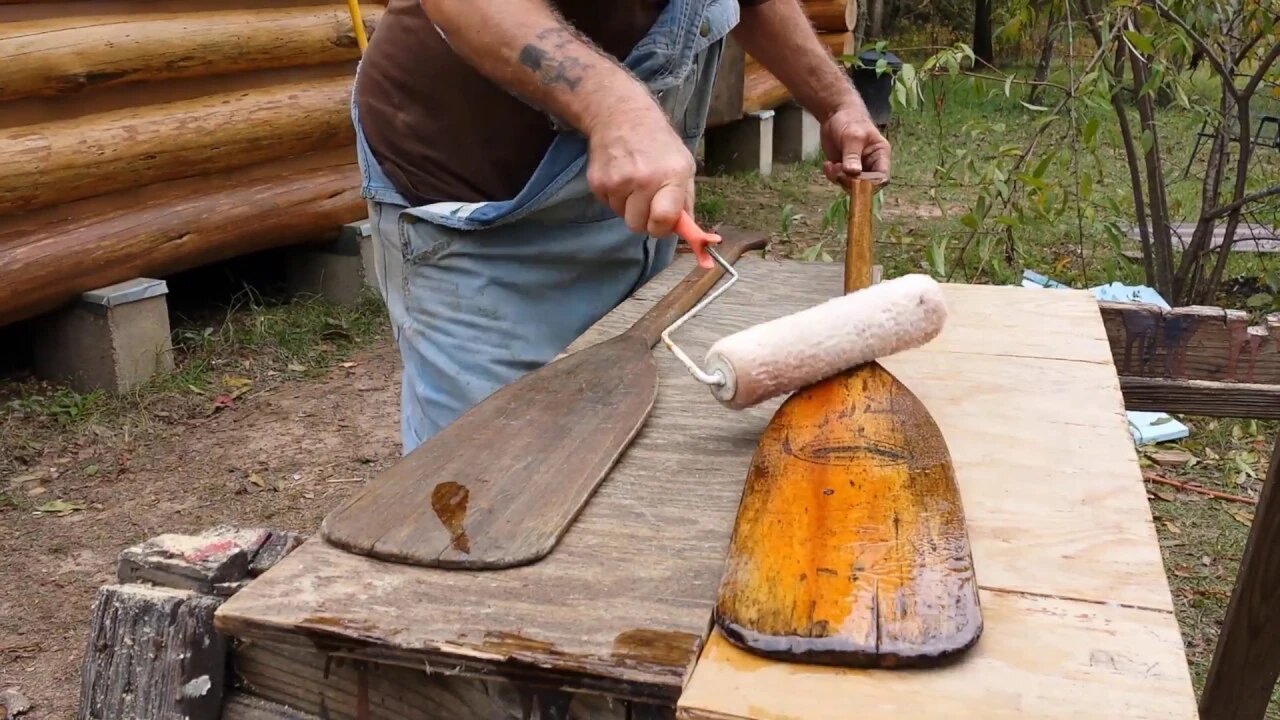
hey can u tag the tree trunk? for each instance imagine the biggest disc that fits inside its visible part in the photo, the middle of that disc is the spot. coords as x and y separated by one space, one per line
1046 51
982 45
165 230
65 55
44 165
876 19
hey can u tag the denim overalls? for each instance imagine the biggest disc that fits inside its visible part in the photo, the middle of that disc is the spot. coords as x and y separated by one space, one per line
481 293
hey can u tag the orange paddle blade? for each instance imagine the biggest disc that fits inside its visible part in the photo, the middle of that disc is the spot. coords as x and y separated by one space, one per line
850 546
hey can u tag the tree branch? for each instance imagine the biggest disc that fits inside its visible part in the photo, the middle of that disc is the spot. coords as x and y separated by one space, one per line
1200 42
1263 67
1238 204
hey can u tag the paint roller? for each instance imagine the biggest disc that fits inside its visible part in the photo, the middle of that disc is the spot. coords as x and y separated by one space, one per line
798 350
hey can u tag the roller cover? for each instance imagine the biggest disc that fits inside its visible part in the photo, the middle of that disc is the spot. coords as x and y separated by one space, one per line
798 350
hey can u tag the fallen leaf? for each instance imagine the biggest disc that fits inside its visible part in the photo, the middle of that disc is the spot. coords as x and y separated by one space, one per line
348 364
297 476
1182 571
1206 560
223 401
37 490
1161 494
61 508
256 479
91 471
236 381
277 485
1243 517
309 495
1168 525
17 480
295 367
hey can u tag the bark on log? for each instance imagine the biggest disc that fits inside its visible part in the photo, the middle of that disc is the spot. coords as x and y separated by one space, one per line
831 15
47 264
66 55
152 653
762 91
59 162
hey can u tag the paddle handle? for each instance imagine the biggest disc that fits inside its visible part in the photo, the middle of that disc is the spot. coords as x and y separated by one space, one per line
858 258
697 283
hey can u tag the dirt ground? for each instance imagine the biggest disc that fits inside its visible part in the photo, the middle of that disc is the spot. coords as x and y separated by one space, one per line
281 458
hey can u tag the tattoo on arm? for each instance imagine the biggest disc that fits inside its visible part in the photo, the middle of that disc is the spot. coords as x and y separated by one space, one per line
543 58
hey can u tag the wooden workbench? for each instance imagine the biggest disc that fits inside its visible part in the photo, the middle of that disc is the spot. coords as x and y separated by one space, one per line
1079 620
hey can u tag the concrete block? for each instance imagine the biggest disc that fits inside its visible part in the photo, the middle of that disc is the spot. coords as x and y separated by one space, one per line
742 146
796 135
339 271
114 338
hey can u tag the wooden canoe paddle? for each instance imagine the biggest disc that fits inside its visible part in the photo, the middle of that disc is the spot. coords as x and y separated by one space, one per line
850 546
499 486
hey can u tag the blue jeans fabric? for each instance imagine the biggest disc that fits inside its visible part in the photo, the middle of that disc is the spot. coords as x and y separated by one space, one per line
481 293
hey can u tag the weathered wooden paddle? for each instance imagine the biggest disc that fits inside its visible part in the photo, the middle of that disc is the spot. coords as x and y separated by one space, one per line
500 485
850 546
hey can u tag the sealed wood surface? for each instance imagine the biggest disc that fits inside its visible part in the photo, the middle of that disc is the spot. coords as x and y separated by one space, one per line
500 485
1023 389
58 162
850 546
831 15
68 55
50 261
762 91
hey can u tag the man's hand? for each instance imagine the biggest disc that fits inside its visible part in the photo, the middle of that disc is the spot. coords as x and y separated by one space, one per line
640 168
852 144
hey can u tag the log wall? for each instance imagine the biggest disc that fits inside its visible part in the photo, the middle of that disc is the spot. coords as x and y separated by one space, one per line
145 137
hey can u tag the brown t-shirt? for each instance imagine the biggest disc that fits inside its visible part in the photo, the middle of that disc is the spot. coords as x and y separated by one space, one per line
442 131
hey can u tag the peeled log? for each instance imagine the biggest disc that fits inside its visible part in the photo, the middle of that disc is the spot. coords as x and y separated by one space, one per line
64 55
43 165
831 15
192 224
762 91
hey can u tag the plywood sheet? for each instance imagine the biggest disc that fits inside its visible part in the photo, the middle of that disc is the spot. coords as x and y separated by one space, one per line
1022 385
1039 659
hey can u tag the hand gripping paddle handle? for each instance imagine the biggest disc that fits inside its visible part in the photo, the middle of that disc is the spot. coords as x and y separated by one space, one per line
697 238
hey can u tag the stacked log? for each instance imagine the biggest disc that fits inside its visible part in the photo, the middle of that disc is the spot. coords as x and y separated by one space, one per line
142 141
831 16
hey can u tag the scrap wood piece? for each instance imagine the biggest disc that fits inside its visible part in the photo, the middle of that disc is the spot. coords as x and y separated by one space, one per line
219 560
152 653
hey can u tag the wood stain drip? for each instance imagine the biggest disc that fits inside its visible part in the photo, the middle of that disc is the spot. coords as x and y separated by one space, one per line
449 500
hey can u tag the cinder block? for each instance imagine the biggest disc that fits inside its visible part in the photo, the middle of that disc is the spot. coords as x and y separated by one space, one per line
796 135
114 338
339 271
742 146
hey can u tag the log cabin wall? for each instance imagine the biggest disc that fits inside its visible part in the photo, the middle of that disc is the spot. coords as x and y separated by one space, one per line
834 21
146 137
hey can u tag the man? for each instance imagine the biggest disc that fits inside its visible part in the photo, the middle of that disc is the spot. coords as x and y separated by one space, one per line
525 162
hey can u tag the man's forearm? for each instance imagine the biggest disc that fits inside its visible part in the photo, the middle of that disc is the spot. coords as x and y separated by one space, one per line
525 47
778 34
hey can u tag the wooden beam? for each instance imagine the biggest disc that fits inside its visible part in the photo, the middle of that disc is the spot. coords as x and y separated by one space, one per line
49 164
832 15
1245 660
67 55
1202 397
169 229
1193 343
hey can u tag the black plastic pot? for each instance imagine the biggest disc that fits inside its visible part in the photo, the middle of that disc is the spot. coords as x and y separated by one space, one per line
876 88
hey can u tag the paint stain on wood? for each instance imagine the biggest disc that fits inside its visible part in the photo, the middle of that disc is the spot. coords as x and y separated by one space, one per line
655 647
449 500
1175 333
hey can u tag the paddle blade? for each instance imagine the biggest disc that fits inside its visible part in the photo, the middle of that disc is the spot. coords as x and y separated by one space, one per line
850 546
500 485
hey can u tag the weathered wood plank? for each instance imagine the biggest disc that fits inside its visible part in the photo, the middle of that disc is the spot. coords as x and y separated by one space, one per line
152 653
243 706
1020 383
44 165
1246 662
67 55
1192 343
340 688
1202 397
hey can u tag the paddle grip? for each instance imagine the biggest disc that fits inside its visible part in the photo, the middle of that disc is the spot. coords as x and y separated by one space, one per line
859 258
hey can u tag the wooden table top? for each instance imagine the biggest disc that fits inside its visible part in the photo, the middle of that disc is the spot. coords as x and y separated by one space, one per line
1078 611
